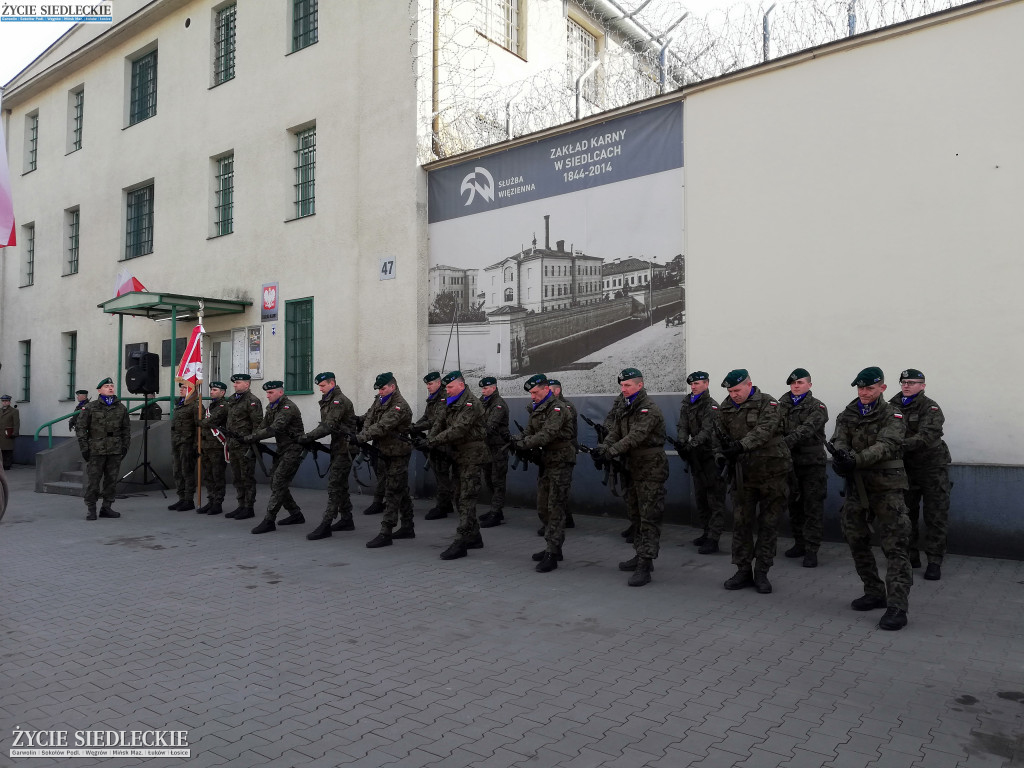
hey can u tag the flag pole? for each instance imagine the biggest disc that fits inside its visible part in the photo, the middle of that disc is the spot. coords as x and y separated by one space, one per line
199 412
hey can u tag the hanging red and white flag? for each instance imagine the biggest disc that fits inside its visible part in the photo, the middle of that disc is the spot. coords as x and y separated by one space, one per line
190 371
126 282
7 236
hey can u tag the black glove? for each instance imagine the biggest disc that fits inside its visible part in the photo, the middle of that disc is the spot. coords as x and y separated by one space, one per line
304 440
731 451
248 439
419 442
600 453
517 442
844 463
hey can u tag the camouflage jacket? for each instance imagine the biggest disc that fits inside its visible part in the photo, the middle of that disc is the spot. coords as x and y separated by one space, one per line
638 429
432 411
574 418
803 429
243 415
337 416
550 429
613 413
876 439
462 427
214 409
757 425
496 421
10 419
73 421
923 446
698 422
384 421
104 430
281 421
183 423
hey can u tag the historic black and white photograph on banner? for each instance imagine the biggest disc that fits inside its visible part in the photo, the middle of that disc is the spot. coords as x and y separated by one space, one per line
564 256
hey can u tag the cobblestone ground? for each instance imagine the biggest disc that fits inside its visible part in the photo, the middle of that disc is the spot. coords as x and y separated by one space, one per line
275 651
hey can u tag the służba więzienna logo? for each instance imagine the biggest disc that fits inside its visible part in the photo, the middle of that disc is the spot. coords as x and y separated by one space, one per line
480 180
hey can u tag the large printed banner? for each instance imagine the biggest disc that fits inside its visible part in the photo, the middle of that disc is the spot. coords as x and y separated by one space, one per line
564 256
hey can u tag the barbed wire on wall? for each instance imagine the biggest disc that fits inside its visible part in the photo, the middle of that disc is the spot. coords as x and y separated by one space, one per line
650 46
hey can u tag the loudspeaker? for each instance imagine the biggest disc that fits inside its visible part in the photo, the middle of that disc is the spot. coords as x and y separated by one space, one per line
143 376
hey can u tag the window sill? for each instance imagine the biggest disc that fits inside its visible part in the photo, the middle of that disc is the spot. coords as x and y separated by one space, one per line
137 122
300 218
308 45
289 392
222 82
217 237
72 151
26 285
69 274
139 256
500 45
30 170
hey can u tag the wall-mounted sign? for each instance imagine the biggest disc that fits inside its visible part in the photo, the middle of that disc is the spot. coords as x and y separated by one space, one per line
269 299
387 269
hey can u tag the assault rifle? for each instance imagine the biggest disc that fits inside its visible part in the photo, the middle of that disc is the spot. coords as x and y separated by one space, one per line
600 429
727 468
843 463
315 447
522 457
682 449
615 472
257 448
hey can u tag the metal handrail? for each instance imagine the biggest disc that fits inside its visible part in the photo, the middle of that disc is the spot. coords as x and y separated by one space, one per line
143 401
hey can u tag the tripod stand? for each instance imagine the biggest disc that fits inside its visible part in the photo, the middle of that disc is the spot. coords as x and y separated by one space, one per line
144 465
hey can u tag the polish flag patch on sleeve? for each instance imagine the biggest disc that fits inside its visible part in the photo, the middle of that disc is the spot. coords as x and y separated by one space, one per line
643 410
898 415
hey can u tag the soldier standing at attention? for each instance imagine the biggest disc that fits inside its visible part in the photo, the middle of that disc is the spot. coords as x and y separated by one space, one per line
869 443
213 453
104 435
926 460
82 396
389 417
751 440
183 448
10 427
574 419
803 428
461 426
242 416
549 429
337 419
497 437
698 421
439 460
638 435
283 422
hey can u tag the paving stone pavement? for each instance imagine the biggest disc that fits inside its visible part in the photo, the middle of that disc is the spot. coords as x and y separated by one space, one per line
275 651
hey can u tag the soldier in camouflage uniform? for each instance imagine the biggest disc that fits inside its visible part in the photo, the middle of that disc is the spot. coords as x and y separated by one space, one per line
549 429
751 441
440 460
183 447
337 419
461 427
283 422
803 428
926 459
242 417
10 427
497 437
82 396
698 422
213 462
868 447
387 419
104 436
574 419
637 435
632 512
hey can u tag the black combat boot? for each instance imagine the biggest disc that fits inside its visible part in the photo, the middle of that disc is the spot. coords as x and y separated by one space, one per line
186 505
177 504
475 542
700 540
436 513
106 511
797 550
548 562
344 524
405 531
538 556
266 526
642 574
455 550
215 508
810 560
322 531
631 564
761 583
868 603
382 539
492 520
247 513
542 530
741 579
375 508
709 547
203 509
90 510
893 619
235 512
294 518
933 572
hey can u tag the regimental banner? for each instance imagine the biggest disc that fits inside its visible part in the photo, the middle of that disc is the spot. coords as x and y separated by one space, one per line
563 256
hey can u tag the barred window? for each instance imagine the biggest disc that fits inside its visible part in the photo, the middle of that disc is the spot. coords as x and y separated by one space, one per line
143 93
28 264
139 223
71 357
224 44
304 23
77 116
225 207
31 141
298 346
305 173
499 22
73 219
582 52
26 370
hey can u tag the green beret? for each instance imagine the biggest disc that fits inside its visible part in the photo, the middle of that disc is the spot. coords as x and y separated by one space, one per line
218 385
269 385
735 377
451 376
537 380
383 379
798 373
107 380
324 376
432 376
554 383
698 376
868 376
240 377
78 392
488 381
630 373
911 373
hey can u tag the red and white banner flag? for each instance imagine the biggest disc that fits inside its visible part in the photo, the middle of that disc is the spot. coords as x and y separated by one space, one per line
190 371
126 282
7 236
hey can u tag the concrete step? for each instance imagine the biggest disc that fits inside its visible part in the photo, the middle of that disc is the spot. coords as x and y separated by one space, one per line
64 488
74 476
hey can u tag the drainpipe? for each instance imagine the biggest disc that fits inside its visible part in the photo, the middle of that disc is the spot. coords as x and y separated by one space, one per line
579 84
764 32
435 99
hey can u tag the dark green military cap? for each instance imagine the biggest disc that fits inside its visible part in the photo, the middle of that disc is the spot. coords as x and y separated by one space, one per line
868 376
734 377
554 383
432 376
698 376
241 377
911 373
798 373
488 381
81 391
630 373
537 380
107 380
218 385
383 379
8 397
326 375
275 384
451 376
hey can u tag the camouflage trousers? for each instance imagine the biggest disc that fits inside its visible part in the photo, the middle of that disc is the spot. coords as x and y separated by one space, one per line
466 489
214 471
930 485
645 492
286 464
183 465
397 502
339 503
756 510
243 474
807 489
380 489
444 473
101 478
889 519
709 494
494 475
552 501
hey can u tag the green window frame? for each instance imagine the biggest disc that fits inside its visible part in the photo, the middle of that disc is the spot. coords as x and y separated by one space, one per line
28 275
26 370
298 346
224 44
225 206
78 116
305 23
74 223
305 173
32 134
143 93
71 348
139 222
